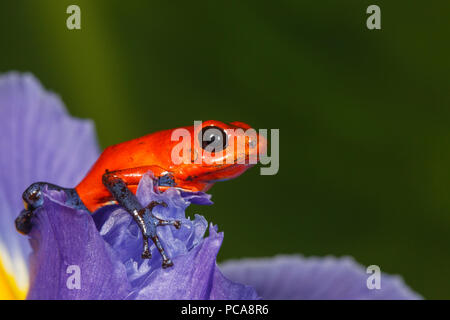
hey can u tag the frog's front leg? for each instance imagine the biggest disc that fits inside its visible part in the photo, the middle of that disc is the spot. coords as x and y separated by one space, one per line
143 216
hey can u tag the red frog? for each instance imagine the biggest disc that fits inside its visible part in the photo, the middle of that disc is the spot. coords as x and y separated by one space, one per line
113 179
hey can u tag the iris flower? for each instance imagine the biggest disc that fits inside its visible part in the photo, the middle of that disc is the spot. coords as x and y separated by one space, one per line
39 141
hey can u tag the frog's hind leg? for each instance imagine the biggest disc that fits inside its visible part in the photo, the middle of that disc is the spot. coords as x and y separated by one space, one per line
33 199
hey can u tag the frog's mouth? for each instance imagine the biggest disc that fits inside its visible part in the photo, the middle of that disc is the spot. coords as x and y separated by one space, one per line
223 172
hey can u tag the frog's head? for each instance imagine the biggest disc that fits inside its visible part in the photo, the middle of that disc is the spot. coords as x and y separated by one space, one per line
220 151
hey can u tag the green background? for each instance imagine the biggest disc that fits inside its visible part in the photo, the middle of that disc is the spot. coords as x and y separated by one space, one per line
363 115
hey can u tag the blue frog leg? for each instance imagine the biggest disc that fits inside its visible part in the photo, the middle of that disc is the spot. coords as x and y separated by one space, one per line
33 199
143 216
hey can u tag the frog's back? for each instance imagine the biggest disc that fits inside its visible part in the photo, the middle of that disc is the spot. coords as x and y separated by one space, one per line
136 153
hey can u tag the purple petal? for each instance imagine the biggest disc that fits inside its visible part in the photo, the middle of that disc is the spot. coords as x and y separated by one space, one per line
194 276
63 237
198 197
225 289
296 277
119 229
39 141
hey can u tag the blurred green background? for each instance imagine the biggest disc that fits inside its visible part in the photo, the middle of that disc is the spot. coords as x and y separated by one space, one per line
363 115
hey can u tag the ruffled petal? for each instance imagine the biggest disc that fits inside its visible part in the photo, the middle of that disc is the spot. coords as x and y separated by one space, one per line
194 274
120 230
63 239
296 277
198 197
39 141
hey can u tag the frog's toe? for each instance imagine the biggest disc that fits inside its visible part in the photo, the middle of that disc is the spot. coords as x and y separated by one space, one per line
166 180
23 222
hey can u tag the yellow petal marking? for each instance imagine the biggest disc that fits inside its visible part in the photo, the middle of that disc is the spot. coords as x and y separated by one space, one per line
8 287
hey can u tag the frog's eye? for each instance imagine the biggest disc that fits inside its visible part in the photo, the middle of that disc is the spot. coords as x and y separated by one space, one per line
213 139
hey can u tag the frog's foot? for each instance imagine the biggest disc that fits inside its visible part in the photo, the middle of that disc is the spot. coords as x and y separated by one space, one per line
151 222
166 180
23 222
33 198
